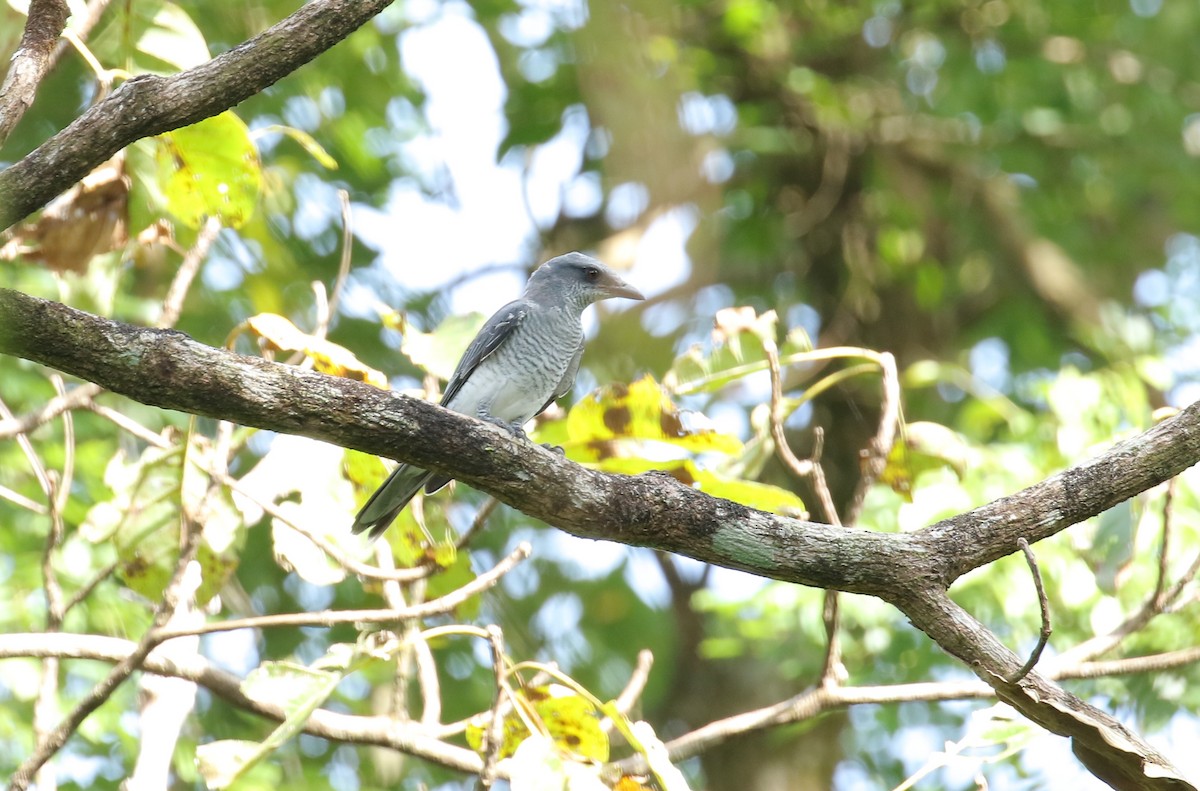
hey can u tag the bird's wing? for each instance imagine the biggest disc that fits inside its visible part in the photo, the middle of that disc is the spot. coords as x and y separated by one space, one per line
568 380
495 331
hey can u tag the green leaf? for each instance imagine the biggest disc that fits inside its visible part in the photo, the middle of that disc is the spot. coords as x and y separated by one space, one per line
737 352
210 169
299 690
438 352
924 446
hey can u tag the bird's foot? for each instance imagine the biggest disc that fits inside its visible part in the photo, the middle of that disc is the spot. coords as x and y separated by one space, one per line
516 429
554 449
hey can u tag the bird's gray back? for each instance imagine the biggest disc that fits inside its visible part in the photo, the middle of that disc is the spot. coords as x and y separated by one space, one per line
523 374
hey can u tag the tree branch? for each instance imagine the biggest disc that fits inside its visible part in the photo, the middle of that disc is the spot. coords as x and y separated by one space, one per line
150 105
31 61
912 571
407 737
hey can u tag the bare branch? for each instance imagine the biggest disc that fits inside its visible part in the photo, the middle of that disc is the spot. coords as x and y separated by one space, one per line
31 61
911 571
494 736
385 732
1044 604
386 615
173 302
150 105
54 742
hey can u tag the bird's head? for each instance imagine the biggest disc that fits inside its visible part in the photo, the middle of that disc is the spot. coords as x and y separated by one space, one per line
576 279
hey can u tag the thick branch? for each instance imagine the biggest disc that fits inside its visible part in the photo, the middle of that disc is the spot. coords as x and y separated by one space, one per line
150 105
168 369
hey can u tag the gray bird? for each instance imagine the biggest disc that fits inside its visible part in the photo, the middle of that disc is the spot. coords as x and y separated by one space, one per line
523 359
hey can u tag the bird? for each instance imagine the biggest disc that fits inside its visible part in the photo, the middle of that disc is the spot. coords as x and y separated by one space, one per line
524 358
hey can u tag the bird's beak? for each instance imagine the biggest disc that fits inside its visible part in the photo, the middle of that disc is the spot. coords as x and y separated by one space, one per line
613 286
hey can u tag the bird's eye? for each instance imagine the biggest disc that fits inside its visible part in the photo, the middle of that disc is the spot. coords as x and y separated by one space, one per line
592 273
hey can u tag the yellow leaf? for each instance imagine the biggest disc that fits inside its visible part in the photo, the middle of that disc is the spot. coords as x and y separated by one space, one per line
638 411
570 720
327 357
752 494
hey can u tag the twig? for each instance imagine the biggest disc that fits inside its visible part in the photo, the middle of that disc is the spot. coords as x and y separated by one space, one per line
17 498
173 302
835 166
81 26
339 283
154 636
833 671
68 474
123 421
90 585
637 682
478 523
334 617
368 730
74 399
326 724
876 452
32 60
1164 553
1044 604
1157 603
335 554
494 737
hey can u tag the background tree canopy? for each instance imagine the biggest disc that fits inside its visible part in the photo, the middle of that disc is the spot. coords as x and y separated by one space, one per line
989 206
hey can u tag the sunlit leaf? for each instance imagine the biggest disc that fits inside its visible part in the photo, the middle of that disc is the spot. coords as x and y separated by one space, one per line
299 690
638 411
924 446
763 496
570 720
328 357
210 169
737 351
439 351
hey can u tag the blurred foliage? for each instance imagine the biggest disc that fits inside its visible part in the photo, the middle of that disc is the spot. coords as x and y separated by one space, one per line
1000 193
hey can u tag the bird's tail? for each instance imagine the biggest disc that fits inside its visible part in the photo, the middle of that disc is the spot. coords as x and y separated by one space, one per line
389 499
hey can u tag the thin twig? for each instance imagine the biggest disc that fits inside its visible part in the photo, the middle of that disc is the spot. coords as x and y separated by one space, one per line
334 617
90 585
81 27
335 295
354 728
636 683
101 692
1155 604
172 305
875 455
478 523
1044 604
74 399
833 672
333 552
1164 549
494 736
